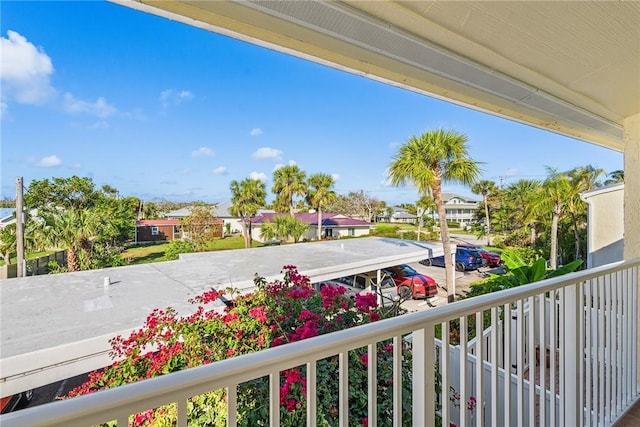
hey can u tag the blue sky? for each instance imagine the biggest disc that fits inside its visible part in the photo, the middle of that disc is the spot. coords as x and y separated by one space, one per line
158 109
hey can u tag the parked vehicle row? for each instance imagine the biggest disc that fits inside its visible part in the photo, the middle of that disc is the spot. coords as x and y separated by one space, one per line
492 259
468 257
407 283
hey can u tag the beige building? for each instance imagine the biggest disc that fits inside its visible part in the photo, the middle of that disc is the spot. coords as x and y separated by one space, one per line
605 232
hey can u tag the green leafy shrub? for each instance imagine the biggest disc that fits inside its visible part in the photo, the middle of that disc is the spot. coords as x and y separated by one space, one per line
452 224
177 247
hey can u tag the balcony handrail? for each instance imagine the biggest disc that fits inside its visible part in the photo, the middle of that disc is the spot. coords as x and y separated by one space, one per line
100 406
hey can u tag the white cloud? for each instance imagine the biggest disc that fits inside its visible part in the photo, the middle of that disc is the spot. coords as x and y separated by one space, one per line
258 175
49 161
25 71
100 108
255 132
220 170
393 145
174 97
203 152
75 166
335 176
3 109
512 172
267 153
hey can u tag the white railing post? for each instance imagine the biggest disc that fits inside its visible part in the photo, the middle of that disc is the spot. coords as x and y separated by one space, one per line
423 393
572 356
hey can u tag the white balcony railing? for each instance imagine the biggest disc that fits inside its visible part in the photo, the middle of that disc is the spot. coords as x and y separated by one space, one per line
565 355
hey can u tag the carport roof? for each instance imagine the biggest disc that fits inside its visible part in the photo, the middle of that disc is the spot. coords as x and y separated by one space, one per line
57 326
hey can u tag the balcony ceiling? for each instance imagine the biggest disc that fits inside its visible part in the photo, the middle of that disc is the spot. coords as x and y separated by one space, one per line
570 67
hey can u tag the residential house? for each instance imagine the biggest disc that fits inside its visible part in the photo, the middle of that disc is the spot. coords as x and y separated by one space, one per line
220 210
459 209
157 230
334 225
398 215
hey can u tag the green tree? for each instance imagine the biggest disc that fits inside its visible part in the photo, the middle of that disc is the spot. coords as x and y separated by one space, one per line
424 204
552 198
288 181
320 194
247 197
486 188
357 204
581 179
427 161
201 227
73 230
615 177
519 198
283 227
92 224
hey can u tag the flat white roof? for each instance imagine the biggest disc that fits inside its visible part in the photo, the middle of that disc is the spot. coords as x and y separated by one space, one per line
57 326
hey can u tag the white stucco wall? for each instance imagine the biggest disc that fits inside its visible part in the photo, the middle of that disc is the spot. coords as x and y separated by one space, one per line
632 188
605 233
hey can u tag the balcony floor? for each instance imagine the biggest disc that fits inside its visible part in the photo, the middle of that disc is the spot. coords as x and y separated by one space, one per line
631 418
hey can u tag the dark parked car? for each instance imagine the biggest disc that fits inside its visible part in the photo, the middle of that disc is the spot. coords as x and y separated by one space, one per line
10 403
466 259
411 283
493 259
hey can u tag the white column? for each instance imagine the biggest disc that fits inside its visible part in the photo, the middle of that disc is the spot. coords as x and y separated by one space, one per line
632 187
632 200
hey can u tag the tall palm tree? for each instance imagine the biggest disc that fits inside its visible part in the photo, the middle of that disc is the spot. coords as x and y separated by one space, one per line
320 194
288 181
552 198
581 179
427 161
247 197
485 187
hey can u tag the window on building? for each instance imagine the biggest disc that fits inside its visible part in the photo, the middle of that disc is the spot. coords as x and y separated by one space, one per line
154 231
352 231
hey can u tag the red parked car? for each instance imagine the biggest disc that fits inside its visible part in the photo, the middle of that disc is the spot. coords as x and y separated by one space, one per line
492 258
411 283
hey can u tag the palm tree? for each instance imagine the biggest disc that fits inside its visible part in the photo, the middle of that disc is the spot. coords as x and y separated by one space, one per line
282 227
581 179
247 197
73 230
519 198
427 161
615 177
485 187
553 197
288 181
320 194
422 205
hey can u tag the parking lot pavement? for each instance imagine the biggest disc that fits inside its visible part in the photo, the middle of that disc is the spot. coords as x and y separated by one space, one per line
463 282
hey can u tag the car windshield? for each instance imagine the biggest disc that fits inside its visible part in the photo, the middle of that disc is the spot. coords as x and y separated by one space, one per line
404 270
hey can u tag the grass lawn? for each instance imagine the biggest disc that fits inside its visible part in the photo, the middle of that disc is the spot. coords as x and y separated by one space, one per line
155 252
145 254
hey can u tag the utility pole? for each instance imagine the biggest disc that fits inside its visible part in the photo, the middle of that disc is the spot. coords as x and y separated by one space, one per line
20 228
